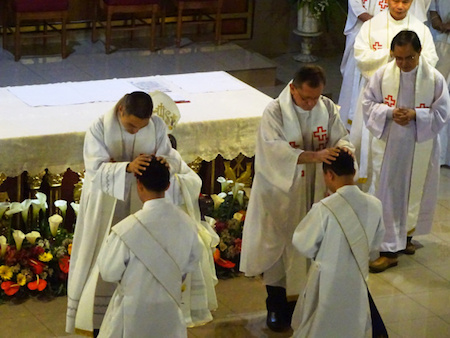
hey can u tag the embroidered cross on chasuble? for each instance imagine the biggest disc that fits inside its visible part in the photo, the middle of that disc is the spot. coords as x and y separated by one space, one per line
389 100
423 105
322 139
383 4
377 46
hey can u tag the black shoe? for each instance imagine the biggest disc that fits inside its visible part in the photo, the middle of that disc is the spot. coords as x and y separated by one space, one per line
276 322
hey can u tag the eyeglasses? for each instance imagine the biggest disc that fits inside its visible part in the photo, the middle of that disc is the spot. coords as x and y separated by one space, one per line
407 59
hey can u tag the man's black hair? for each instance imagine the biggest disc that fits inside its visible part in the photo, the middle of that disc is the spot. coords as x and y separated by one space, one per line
406 37
312 75
139 104
155 177
344 164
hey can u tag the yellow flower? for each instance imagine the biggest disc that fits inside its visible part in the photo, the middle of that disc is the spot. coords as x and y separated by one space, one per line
21 279
6 272
45 257
69 249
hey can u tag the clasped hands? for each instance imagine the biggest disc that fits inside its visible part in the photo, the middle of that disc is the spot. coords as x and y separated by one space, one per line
142 161
402 116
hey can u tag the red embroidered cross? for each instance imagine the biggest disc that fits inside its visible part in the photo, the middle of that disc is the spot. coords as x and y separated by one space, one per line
422 105
303 173
377 45
389 100
364 3
383 4
293 144
321 135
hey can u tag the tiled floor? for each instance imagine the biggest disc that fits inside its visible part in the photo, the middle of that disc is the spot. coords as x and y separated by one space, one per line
413 298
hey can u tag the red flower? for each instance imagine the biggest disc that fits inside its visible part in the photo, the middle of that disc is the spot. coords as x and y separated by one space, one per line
10 288
37 250
36 266
222 262
38 284
64 264
220 226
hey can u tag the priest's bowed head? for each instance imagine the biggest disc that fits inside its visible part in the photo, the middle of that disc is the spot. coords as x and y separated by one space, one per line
399 8
134 111
154 180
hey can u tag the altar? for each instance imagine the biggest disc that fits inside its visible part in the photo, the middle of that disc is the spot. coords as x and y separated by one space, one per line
43 126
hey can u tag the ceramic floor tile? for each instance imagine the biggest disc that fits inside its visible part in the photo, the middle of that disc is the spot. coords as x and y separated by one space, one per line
27 326
414 280
434 251
9 310
428 327
379 287
442 270
436 301
400 307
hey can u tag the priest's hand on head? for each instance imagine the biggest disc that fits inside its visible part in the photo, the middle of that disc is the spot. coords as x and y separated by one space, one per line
162 160
139 164
327 155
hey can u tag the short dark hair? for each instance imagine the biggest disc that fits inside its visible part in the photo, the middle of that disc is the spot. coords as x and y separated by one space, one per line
312 75
406 37
343 165
155 177
139 104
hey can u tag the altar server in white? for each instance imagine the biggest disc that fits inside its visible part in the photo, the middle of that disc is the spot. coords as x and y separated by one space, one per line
440 20
118 146
299 130
405 105
372 46
359 11
148 254
338 234
419 8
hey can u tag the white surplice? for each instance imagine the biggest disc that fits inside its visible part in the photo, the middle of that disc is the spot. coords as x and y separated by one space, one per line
405 159
419 8
372 50
442 40
108 196
147 299
335 301
350 73
283 191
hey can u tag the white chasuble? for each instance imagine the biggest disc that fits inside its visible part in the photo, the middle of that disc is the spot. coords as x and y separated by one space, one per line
372 50
108 196
283 191
404 159
334 302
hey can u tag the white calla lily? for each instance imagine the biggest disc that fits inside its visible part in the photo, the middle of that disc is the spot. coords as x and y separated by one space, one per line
61 205
14 208
217 200
32 236
240 197
3 245
223 183
54 222
25 208
42 198
3 207
75 207
18 236
237 187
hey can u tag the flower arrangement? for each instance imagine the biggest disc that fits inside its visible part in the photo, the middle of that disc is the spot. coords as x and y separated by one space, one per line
229 214
34 263
316 7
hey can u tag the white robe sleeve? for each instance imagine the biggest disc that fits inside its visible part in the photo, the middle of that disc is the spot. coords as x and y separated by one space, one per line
338 134
113 259
430 121
428 48
276 160
108 176
376 112
309 233
367 59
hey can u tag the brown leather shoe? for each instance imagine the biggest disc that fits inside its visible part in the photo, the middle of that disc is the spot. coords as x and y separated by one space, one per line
410 248
382 263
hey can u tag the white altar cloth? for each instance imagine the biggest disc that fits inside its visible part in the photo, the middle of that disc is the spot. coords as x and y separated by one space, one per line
213 122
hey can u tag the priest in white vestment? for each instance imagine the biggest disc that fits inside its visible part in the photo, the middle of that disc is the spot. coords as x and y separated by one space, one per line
118 146
419 8
406 104
299 130
359 11
148 254
372 50
338 234
440 20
